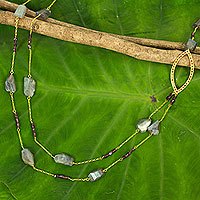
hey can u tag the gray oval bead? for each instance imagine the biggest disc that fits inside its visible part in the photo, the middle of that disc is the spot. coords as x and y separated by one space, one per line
29 86
197 23
27 157
10 84
154 128
20 11
63 159
44 14
93 176
191 44
143 124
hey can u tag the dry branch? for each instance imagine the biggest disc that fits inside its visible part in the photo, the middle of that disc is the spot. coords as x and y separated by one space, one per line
139 48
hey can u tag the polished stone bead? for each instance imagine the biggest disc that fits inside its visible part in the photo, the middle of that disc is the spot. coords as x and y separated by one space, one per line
64 159
154 128
29 86
20 11
143 124
44 14
10 84
197 23
27 157
191 44
93 176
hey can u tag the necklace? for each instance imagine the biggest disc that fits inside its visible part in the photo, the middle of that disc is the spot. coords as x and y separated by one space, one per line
144 125
10 82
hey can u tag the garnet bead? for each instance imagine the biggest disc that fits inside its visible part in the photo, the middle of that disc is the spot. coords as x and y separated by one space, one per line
62 176
173 100
169 96
33 129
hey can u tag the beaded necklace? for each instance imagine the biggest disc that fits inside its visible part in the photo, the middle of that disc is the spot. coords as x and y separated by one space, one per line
144 125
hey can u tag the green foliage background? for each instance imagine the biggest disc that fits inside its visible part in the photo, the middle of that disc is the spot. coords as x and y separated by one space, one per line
89 99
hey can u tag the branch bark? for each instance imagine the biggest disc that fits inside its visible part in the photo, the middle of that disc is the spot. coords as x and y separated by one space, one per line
139 48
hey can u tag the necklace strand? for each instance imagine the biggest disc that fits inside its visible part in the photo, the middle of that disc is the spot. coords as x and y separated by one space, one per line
144 125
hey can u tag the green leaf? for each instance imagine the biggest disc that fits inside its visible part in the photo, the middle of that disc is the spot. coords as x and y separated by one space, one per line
89 99
5 192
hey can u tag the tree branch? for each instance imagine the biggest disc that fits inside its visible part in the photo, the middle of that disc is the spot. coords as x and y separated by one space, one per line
139 48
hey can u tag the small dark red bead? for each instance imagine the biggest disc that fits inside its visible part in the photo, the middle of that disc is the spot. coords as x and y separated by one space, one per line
173 100
18 125
30 37
17 120
110 153
33 129
32 125
114 150
192 34
62 176
34 133
129 153
106 155
133 149
169 96
29 41
126 155
15 42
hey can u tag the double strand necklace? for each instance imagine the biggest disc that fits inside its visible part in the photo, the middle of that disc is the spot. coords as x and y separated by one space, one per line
143 126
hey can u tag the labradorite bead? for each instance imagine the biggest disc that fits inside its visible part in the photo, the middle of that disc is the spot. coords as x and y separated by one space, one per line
64 159
10 84
197 23
44 14
154 128
29 86
20 11
96 175
143 124
27 157
191 45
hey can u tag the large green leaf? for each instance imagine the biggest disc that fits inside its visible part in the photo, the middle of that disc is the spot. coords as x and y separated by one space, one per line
89 99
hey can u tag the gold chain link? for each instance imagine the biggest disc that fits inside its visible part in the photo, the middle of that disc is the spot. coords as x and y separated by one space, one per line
42 171
31 121
15 112
151 115
102 157
121 159
165 113
172 75
14 52
26 2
